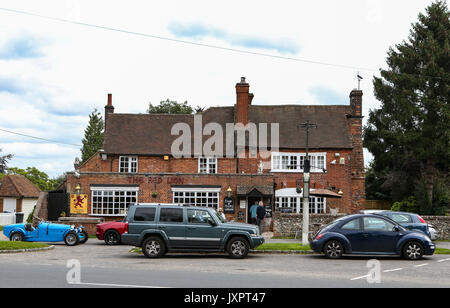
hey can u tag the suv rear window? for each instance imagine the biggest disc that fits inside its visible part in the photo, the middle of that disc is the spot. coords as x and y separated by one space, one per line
144 214
171 215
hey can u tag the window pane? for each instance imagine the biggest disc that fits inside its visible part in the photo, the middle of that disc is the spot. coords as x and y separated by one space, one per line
197 217
276 162
144 214
352 225
377 224
171 215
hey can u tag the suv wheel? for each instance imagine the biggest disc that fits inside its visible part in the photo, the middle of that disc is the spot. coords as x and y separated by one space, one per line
153 247
238 248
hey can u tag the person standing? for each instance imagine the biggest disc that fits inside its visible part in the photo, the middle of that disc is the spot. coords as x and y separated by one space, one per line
260 214
253 210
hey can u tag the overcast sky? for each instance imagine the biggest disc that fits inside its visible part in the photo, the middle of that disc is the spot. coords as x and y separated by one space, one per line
53 74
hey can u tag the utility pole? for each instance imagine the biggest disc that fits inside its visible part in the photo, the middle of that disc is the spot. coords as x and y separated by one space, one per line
306 179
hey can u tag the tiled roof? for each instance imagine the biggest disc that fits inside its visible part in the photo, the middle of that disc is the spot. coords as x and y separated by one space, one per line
150 134
18 186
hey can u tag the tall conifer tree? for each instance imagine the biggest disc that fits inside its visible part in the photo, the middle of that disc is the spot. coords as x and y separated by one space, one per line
409 135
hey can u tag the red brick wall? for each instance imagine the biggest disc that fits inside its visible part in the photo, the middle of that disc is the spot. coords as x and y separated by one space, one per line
151 164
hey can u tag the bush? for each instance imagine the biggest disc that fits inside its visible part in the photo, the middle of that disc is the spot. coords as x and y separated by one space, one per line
407 205
30 217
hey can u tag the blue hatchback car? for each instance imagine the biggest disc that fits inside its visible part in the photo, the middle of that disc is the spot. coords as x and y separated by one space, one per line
363 234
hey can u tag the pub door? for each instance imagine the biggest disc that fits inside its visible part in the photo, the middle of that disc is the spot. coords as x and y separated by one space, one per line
250 202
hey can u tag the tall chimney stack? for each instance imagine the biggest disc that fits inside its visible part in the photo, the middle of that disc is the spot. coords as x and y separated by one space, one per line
243 100
356 102
109 108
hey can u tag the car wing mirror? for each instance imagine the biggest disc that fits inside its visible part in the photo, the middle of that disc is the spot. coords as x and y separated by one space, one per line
212 222
396 229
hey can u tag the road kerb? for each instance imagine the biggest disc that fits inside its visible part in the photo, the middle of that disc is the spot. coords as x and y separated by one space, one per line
27 250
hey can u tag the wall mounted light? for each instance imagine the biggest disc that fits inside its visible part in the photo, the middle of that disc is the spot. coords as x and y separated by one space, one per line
340 192
78 188
229 190
166 157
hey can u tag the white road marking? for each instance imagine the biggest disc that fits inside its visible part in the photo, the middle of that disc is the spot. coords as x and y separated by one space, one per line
442 260
393 270
420 265
361 277
115 285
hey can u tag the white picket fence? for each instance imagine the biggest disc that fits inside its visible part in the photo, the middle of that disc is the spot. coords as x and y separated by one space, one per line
7 219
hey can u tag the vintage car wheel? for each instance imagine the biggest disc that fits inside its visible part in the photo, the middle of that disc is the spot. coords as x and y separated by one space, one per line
85 237
71 239
16 237
153 247
112 237
238 248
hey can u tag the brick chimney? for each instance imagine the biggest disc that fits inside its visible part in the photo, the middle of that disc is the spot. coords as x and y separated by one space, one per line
356 102
356 160
109 108
243 100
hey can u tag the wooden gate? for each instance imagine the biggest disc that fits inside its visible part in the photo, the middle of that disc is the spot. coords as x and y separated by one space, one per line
57 202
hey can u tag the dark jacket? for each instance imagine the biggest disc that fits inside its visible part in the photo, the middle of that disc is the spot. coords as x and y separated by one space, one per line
261 212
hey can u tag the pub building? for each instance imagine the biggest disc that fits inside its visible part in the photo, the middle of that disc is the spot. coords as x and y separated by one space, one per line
136 163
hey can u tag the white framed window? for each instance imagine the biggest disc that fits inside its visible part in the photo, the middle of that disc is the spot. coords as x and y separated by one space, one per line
128 164
112 201
295 205
287 200
207 197
295 162
207 165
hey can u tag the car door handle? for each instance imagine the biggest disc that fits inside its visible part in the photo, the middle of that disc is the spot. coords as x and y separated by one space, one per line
192 228
162 227
365 234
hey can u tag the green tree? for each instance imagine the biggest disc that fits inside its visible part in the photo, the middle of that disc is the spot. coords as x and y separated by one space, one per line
170 107
374 184
93 136
409 136
4 162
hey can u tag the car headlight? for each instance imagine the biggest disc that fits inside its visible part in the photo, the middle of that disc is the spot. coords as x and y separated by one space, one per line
256 232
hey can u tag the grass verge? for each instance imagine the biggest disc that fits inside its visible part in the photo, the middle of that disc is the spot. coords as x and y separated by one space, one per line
284 247
8 245
442 251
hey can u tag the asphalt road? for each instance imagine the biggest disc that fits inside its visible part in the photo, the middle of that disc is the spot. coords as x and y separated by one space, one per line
105 266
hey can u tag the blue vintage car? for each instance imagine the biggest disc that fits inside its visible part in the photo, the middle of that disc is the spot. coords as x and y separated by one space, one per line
46 232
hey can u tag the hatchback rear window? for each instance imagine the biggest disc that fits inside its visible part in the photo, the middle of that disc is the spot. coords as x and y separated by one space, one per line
144 214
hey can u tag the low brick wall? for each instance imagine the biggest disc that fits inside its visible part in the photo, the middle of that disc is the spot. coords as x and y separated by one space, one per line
290 224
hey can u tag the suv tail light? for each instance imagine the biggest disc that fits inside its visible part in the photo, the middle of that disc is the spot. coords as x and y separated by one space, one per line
421 219
125 229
